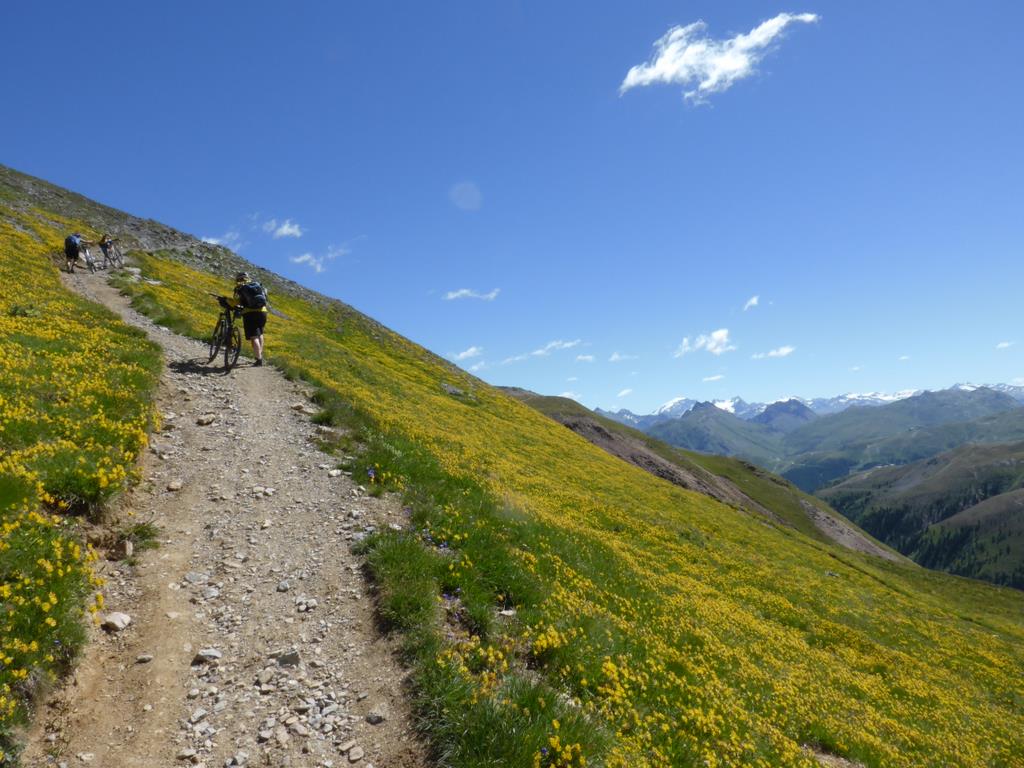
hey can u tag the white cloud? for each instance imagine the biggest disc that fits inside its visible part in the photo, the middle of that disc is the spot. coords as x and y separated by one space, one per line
515 359
1005 344
230 239
618 357
316 263
584 358
855 368
572 379
553 346
467 293
286 228
467 354
716 342
466 196
319 263
751 303
478 366
625 392
784 351
904 358
687 56
716 377
571 395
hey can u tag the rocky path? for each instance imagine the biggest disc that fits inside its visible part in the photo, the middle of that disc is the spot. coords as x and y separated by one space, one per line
251 638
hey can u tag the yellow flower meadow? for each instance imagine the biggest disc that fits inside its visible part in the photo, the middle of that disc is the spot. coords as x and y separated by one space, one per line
76 391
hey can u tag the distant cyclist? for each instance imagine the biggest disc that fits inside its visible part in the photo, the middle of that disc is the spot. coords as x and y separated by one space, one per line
252 298
107 245
74 246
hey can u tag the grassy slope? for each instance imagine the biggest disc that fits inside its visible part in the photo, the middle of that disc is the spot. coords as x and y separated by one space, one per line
76 391
688 633
956 511
768 490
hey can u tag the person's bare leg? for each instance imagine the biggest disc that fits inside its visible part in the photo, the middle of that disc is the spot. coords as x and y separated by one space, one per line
257 347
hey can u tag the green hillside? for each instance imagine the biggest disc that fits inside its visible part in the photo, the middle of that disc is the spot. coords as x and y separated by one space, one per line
709 429
812 452
960 511
727 479
641 624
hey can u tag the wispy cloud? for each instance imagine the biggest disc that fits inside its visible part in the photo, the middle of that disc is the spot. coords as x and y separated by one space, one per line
751 303
584 358
468 354
231 239
716 377
1005 344
625 392
716 342
903 358
286 228
784 351
571 395
687 56
619 357
468 293
855 368
318 262
572 379
554 346
478 366
466 196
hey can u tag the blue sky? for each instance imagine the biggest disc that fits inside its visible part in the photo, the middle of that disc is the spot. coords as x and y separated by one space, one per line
861 175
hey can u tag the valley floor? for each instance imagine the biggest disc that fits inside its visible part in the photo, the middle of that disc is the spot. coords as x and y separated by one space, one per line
253 529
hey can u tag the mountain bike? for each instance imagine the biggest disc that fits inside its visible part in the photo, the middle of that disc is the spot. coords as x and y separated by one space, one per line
112 256
226 334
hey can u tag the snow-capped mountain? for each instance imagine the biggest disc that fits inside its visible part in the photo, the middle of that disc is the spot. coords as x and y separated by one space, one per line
740 407
822 406
1013 390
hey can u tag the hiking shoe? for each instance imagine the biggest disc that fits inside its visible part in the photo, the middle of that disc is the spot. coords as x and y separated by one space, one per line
258 363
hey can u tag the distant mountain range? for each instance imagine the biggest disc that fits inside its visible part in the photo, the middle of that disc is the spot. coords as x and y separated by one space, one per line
813 448
961 511
823 406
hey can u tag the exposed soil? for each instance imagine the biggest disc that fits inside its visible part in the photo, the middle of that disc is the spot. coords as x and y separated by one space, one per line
254 563
846 534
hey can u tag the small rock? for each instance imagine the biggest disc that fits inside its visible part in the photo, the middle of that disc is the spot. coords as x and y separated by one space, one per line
206 655
175 485
377 716
240 758
334 473
283 586
288 658
86 757
355 754
199 714
206 419
343 748
265 525
194 577
144 658
186 754
116 622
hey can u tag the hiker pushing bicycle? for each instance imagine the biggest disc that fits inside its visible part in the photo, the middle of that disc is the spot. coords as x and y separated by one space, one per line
76 245
111 251
251 298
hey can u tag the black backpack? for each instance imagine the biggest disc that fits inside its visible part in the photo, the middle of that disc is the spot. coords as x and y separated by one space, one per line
252 295
71 246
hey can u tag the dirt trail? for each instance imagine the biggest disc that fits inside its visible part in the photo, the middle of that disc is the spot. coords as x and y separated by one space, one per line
254 564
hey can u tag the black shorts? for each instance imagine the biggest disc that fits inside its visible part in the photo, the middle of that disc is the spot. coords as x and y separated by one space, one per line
253 322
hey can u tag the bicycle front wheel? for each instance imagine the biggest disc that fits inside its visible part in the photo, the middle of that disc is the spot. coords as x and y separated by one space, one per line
216 338
232 347
118 257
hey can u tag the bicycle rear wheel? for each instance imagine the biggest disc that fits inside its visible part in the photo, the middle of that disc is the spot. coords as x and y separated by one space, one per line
216 338
232 347
117 257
